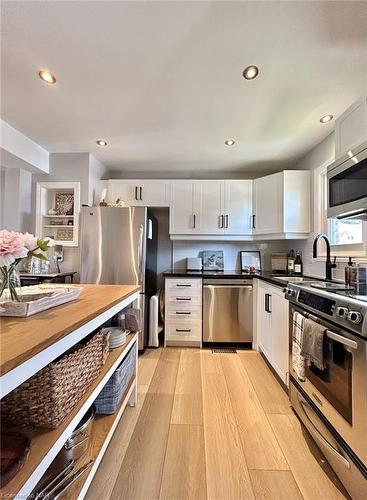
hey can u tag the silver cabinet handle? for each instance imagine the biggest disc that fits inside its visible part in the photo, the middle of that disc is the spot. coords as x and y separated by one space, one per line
193 221
182 285
226 218
183 330
319 437
220 223
136 193
253 221
183 312
226 287
183 298
141 193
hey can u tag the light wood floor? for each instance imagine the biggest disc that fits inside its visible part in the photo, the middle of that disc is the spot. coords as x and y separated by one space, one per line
210 426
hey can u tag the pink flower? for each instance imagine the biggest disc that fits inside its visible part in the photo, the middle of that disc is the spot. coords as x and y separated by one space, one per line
11 247
30 241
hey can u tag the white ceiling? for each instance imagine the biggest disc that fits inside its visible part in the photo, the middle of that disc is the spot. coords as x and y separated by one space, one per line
162 81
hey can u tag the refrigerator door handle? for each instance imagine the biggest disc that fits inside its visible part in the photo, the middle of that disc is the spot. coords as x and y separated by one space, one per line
140 254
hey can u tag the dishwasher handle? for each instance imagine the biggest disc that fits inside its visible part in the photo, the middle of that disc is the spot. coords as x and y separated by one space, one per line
228 286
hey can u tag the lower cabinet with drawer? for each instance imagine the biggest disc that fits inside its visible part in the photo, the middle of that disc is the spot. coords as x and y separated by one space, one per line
183 312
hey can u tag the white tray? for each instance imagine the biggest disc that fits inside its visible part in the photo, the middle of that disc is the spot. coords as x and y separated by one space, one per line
38 298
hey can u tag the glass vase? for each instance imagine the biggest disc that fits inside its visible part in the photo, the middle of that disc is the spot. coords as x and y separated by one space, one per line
10 285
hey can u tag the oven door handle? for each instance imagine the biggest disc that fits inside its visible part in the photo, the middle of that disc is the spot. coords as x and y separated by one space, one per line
316 434
342 340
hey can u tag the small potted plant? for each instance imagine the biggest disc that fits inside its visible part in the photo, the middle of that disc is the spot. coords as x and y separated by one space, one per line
14 247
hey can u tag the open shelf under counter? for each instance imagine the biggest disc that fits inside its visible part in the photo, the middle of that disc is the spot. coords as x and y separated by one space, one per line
46 444
102 431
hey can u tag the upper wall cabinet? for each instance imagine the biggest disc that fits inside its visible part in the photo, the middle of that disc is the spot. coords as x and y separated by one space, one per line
211 207
57 212
185 207
351 128
238 207
282 204
147 193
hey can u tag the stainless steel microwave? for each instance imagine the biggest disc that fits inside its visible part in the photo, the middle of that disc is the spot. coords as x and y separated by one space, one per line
347 186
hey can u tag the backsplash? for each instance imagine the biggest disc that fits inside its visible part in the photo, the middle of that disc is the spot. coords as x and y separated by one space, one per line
183 249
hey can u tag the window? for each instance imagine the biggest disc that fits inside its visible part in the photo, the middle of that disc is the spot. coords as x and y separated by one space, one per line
348 237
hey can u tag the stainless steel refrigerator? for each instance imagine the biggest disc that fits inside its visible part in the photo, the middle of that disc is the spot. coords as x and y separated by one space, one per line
119 246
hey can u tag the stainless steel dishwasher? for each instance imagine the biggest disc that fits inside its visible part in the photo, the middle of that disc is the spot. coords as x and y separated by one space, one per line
227 310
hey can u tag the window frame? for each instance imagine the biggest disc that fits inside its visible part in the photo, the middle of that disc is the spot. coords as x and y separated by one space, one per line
321 221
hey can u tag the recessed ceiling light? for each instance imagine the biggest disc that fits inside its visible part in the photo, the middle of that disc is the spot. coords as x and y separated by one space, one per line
250 72
47 76
326 118
101 143
229 142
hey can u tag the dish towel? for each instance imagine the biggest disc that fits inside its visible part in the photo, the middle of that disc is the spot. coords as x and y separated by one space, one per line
312 347
298 361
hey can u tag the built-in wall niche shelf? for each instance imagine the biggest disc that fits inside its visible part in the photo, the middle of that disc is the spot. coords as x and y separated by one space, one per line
62 198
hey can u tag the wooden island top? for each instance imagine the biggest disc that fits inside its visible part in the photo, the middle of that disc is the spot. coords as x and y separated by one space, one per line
23 338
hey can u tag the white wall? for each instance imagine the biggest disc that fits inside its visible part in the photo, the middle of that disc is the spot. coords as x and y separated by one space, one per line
72 167
16 206
18 151
97 171
183 249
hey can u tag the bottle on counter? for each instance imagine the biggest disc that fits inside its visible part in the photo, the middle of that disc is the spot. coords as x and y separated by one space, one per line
347 271
291 260
298 266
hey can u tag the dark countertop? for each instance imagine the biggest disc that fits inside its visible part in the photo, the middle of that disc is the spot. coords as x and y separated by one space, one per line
264 275
24 274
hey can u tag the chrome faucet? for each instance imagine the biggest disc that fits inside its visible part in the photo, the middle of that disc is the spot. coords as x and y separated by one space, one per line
328 264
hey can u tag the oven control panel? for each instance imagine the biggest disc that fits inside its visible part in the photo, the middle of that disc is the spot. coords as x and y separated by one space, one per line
322 304
339 307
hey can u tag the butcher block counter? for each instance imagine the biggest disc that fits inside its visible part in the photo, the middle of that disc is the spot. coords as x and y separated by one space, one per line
29 344
23 338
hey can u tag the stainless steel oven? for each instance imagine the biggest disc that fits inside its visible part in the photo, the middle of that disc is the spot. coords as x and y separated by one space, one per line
332 403
347 186
340 391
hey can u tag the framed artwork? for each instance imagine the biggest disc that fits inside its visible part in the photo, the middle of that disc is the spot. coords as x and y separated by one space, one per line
213 260
64 234
250 261
64 203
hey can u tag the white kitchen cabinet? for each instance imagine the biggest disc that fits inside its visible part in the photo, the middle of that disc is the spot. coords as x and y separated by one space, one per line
351 128
238 206
138 192
211 207
184 217
211 218
268 204
282 204
183 312
272 327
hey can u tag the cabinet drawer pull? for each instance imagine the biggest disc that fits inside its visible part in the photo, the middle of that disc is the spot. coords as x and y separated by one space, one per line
136 193
183 286
183 330
226 218
183 298
141 193
182 312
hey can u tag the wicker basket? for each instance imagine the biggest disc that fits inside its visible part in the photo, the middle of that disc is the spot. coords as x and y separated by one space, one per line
49 396
109 398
